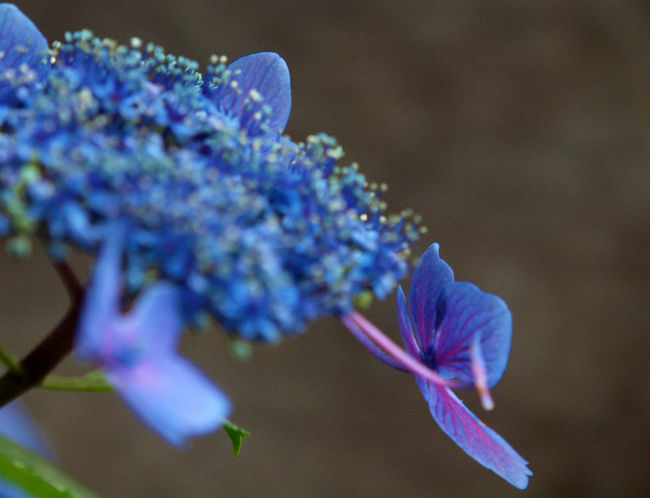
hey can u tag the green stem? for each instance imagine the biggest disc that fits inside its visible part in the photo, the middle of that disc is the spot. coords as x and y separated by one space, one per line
91 382
8 360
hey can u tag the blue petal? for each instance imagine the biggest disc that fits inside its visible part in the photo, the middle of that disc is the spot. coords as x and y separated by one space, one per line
268 74
8 490
20 42
474 437
137 352
172 396
405 327
465 313
155 322
101 304
16 425
105 335
431 275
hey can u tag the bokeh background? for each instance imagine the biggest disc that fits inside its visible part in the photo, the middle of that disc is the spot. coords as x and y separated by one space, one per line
520 130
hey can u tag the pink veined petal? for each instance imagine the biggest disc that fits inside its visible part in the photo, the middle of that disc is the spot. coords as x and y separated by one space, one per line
466 313
430 276
172 396
473 436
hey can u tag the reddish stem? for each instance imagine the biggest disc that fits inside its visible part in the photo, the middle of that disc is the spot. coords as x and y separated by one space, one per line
50 351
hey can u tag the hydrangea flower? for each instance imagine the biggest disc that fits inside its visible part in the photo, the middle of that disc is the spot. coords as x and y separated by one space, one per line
261 233
199 206
137 351
465 334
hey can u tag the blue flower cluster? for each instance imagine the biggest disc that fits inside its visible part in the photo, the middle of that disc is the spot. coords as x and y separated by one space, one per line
198 205
259 232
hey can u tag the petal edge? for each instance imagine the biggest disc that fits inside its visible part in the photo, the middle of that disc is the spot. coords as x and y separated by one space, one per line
173 397
430 276
477 440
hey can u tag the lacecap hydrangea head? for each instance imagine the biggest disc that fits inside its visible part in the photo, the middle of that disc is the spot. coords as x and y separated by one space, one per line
261 233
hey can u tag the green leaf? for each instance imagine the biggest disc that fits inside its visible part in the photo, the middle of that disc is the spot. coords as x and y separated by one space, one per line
35 476
236 435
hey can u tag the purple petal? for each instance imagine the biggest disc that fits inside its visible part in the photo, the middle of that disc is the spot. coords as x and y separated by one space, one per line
153 325
172 396
474 437
266 73
431 275
101 305
137 352
466 313
155 322
20 43
405 327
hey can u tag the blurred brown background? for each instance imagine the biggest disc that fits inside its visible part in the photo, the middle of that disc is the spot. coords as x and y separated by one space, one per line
520 130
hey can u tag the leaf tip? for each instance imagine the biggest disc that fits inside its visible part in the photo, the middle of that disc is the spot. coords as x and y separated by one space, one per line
236 435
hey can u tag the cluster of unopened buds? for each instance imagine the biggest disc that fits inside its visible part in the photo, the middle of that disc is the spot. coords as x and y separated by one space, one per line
200 209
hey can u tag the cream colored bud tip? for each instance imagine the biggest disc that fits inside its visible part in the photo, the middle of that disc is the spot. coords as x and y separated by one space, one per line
486 399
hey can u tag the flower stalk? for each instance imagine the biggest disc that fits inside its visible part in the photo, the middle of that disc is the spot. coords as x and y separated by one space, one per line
405 362
42 359
94 381
33 368
8 360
